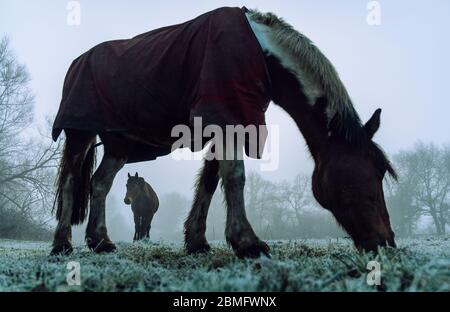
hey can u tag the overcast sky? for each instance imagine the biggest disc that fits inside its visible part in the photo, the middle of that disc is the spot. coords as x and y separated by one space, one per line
402 65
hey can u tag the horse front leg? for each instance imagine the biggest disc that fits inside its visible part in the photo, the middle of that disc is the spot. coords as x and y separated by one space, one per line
96 233
141 228
147 234
195 224
136 227
238 231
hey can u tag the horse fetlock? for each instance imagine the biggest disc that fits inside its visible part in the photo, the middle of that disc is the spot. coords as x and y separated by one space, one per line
198 247
195 239
61 241
245 243
254 250
61 248
98 241
251 248
63 233
196 244
100 245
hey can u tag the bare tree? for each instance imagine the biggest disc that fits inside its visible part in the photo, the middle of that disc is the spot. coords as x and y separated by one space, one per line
27 158
434 183
16 100
297 196
168 220
400 196
261 199
424 186
286 210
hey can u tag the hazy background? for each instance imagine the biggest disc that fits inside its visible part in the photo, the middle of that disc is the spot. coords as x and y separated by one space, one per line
401 66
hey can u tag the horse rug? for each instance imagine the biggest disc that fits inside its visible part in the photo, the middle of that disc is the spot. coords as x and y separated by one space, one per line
210 67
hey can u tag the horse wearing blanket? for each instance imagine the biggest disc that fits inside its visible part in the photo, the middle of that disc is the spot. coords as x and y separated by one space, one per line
224 66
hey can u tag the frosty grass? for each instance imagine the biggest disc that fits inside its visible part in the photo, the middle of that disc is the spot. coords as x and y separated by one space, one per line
301 265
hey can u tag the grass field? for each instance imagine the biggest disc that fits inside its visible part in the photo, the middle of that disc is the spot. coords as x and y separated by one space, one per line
302 265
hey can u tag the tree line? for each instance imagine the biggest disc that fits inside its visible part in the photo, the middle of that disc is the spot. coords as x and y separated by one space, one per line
423 189
27 157
418 203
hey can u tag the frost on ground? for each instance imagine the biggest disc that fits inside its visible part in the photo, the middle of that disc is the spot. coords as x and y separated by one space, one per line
302 265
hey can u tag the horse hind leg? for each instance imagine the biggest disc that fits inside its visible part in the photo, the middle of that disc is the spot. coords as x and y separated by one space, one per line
149 226
96 233
63 233
195 225
147 232
71 191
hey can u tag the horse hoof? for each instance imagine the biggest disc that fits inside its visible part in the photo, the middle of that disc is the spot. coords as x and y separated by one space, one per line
198 248
61 249
253 250
103 246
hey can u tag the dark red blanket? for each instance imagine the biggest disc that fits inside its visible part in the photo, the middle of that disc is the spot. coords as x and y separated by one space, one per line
211 67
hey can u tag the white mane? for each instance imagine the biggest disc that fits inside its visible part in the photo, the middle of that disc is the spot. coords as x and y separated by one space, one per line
300 56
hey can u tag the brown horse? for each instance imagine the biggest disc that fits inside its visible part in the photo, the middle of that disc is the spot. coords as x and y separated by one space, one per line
144 204
223 66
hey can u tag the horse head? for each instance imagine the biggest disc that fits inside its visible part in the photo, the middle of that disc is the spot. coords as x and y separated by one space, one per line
348 181
135 186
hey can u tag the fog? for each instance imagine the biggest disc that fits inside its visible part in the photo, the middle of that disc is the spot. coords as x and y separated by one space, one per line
400 66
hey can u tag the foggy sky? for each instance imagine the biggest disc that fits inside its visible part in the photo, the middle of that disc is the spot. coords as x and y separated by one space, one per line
401 66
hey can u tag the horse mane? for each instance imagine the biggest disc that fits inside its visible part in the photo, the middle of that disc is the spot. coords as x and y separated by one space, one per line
380 157
343 118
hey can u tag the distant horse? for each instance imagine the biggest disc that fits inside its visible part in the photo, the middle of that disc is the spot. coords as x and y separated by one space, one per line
144 204
224 66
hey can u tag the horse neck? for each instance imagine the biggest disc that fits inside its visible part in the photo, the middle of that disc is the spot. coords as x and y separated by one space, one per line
310 119
310 125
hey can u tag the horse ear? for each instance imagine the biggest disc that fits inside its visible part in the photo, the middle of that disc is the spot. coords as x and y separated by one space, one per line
373 123
136 175
129 175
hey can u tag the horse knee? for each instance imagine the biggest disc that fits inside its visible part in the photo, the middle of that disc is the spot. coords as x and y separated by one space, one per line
233 175
209 176
98 188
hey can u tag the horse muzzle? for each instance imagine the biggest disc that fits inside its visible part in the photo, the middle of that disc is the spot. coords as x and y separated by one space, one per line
373 244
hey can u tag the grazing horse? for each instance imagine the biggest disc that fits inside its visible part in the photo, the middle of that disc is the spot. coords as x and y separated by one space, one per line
224 66
144 204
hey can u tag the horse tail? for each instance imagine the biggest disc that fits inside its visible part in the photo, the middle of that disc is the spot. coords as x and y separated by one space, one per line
84 187
81 183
